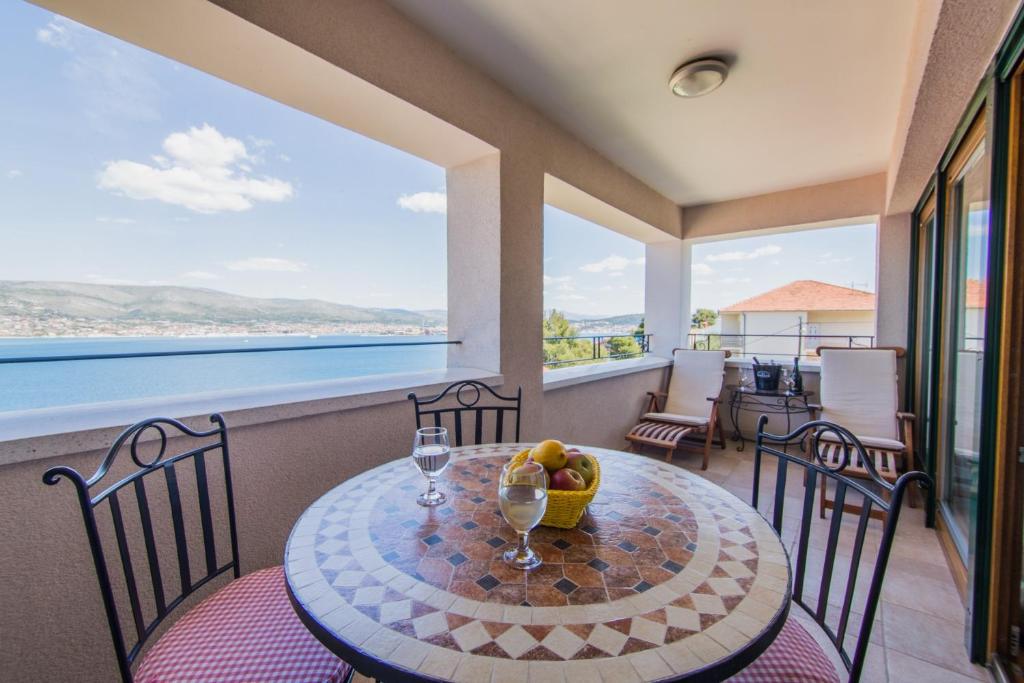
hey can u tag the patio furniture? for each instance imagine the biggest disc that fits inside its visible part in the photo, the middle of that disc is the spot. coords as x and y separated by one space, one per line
245 631
666 577
752 400
468 395
812 590
686 414
860 390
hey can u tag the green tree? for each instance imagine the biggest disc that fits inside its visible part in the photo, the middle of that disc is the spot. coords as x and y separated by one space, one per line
704 318
560 350
623 346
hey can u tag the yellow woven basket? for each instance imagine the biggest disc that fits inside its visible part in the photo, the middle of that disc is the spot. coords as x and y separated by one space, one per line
565 508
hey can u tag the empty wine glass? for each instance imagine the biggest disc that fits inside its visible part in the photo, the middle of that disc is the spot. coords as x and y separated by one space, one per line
744 378
431 453
523 499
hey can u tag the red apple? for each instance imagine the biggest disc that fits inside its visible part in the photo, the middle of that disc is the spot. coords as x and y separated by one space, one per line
581 463
566 479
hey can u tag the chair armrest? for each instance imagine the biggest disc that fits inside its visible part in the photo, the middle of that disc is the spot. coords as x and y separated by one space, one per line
652 403
906 417
814 406
714 399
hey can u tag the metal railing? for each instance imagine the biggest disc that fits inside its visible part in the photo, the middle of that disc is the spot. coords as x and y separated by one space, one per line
599 350
211 352
743 345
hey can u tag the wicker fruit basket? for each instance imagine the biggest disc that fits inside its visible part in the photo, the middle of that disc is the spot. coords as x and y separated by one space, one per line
565 508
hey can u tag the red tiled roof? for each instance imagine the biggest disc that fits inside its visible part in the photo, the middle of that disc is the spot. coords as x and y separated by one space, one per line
975 297
806 295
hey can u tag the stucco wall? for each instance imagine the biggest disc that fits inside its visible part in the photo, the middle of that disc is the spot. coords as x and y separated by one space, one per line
599 413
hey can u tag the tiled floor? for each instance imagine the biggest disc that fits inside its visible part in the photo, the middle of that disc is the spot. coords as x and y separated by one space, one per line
918 633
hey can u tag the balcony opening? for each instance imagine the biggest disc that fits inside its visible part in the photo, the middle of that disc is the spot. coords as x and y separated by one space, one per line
781 295
171 233
593 292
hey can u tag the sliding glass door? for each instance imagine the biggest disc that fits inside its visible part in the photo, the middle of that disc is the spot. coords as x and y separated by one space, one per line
967 236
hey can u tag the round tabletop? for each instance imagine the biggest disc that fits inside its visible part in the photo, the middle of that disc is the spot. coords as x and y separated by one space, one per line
666 577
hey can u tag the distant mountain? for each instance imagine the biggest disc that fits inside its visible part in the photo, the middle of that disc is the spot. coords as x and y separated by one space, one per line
138 303
624 319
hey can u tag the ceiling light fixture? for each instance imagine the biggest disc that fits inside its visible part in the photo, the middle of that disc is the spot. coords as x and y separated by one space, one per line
698 78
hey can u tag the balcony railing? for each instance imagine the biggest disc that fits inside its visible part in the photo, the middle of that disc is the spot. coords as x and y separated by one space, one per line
211 351
594 348
777 345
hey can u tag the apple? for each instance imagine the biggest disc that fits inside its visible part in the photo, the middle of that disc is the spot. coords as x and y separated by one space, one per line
566 479
580 462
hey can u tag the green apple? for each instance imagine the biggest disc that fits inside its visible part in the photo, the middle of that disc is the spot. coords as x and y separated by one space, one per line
581 463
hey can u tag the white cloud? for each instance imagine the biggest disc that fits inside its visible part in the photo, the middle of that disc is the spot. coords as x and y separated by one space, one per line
267 263
110 79
14 173
57 33
202 171
733 280
200 275
425 202
118 220
701 269
550 280
769 250
612 263
616 274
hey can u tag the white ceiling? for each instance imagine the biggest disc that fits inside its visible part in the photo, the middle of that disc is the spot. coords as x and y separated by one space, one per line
812 97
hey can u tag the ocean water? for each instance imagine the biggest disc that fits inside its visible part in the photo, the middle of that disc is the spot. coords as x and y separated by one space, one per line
42 385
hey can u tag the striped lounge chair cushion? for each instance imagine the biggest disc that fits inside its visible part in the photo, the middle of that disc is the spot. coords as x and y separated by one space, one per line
660 432
886 462
245 632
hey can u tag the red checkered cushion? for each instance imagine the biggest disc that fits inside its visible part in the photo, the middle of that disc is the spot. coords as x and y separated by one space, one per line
794 657
246 632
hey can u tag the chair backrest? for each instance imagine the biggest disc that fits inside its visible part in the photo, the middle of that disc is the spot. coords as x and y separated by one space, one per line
859 390
468 395
696 377
148 579
815 571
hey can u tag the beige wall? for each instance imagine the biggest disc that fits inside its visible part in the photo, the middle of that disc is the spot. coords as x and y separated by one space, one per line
599 413
853 198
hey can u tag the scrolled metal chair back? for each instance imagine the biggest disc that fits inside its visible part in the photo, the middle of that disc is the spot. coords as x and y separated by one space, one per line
468 396
100 500
875 493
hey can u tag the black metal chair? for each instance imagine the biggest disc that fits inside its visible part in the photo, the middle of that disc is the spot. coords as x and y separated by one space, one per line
875 493
248 607
467 395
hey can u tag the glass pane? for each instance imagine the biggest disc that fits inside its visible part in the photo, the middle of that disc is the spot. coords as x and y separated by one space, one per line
971 213
925 304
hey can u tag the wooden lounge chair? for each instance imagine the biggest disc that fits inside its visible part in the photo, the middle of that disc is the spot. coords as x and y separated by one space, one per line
686 414
859 390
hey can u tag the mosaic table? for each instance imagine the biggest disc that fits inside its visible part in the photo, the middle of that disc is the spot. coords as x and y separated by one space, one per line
667 577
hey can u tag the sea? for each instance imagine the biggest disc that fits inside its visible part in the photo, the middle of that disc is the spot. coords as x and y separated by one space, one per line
47 384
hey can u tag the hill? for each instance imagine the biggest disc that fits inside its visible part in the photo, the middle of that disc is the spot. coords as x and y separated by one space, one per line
132 304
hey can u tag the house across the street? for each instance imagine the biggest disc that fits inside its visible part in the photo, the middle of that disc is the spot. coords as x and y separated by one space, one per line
796 318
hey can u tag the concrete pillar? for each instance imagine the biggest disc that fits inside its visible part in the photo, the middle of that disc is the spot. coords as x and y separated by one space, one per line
893 279
667 295
474 263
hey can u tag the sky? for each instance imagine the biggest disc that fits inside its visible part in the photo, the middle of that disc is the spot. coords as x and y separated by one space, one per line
727 271
589 269
121 166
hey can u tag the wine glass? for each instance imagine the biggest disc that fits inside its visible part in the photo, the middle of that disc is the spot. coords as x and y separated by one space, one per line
431 453
744 378
523 499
